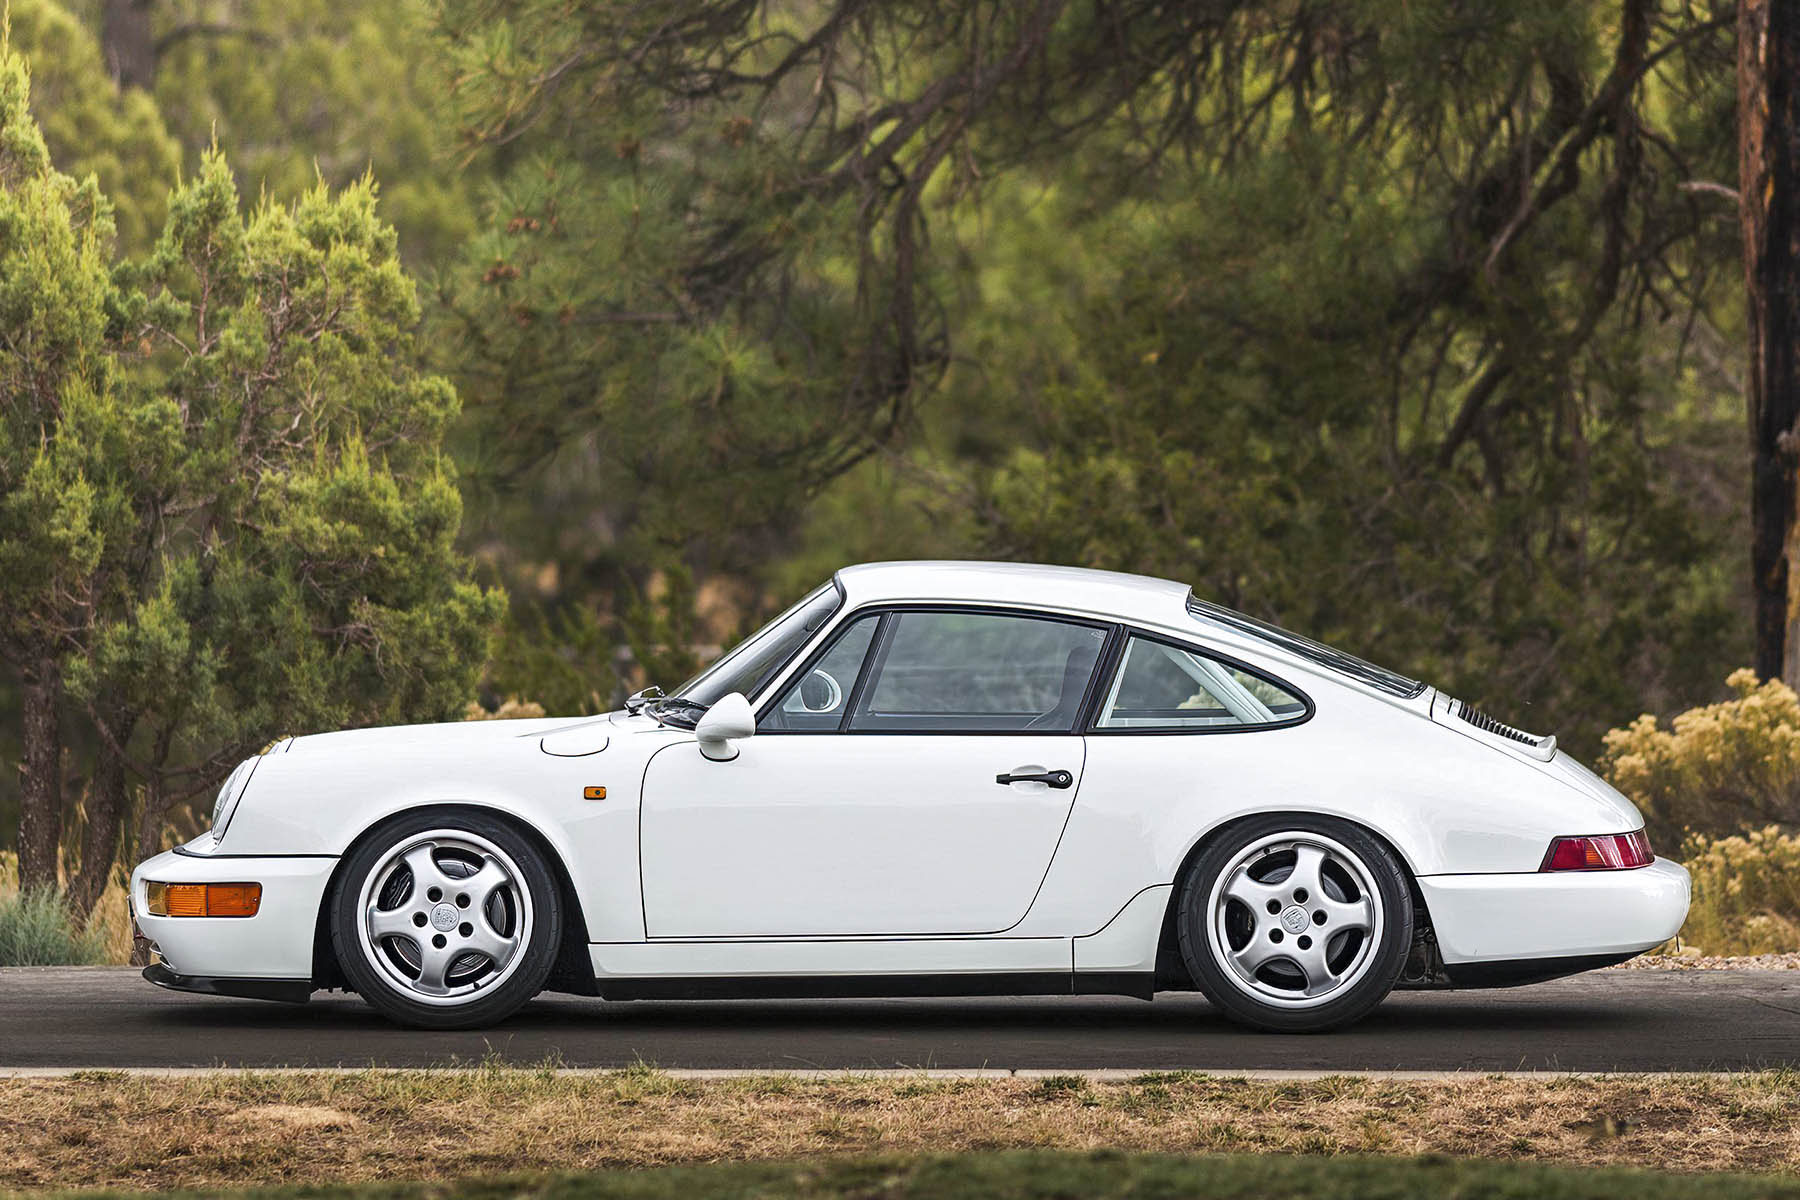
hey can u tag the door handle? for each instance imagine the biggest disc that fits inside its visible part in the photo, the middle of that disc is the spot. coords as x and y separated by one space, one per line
1056 779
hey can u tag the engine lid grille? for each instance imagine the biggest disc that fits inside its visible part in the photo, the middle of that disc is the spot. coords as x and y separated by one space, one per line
1543 748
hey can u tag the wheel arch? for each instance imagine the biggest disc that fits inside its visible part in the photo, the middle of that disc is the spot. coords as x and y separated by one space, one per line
573 970
1172 973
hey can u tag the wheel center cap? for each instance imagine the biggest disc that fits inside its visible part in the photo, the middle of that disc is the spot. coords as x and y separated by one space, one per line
1294 918
443 918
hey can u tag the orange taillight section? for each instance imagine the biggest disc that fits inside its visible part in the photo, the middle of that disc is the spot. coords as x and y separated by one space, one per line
202 899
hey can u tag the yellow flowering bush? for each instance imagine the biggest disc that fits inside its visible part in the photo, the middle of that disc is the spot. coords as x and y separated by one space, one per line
1723 783
1746 892
1717 769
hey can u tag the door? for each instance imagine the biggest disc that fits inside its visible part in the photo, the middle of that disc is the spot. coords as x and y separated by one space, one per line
913 780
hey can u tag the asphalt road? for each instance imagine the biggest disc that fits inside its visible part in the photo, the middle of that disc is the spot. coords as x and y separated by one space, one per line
1607 1020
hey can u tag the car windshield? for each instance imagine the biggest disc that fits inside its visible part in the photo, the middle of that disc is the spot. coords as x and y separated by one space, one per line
1388 681
754 661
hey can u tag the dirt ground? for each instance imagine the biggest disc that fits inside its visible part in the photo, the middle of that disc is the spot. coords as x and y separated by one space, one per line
99 1129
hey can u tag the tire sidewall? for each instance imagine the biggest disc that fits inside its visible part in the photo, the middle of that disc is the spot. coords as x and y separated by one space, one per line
1195 926
485 1008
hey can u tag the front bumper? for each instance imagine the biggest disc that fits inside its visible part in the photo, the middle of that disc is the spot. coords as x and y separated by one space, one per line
290 991
274 945
1592 915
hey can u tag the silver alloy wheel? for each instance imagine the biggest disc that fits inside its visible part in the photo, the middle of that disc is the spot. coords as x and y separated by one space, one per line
446 916
1295 919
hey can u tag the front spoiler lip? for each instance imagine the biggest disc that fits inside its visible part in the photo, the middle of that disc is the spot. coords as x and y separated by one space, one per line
287 991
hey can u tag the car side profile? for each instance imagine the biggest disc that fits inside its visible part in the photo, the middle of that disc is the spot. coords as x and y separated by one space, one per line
934 778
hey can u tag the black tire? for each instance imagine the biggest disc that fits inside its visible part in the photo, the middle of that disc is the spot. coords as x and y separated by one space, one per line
1272 997
536 906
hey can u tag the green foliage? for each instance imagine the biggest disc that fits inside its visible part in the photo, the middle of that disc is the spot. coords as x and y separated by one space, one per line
297 92
37 930
1394 325
1050 1174
89 126
55 241
1315 378
225 511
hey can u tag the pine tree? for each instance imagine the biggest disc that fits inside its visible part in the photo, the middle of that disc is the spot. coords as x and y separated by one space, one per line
225 512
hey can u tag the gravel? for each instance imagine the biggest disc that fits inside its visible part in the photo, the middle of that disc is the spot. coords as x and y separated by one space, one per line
1708 962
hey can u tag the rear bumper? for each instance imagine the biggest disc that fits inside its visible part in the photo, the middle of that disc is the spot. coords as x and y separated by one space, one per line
1591 915
274 945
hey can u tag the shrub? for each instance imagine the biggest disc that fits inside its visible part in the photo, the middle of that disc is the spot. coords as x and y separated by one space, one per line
511 709
1717 769
38 931
1746 892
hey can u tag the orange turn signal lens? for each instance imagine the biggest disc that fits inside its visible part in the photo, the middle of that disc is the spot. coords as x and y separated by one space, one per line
202 899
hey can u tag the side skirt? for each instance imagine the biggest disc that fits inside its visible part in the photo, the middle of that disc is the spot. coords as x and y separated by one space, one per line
800 987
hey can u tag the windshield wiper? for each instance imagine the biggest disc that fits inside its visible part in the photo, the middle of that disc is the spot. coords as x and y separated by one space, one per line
637 701
687 714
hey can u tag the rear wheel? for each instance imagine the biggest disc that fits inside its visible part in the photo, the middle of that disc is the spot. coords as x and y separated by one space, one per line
1296 923
446 920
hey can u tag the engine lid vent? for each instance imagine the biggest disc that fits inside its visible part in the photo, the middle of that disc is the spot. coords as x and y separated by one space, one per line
1542 748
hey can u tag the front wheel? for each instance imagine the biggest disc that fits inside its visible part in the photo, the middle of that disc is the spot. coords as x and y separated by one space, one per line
446 920
1296 924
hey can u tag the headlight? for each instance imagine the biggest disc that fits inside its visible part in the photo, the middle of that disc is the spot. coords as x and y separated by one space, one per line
230 792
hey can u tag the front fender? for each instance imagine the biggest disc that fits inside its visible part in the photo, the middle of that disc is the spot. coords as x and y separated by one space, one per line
320 803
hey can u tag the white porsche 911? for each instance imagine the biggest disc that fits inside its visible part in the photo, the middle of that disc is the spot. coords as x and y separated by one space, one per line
928 779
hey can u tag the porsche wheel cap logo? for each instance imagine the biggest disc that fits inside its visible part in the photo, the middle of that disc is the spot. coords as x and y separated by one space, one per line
444 918
1294 919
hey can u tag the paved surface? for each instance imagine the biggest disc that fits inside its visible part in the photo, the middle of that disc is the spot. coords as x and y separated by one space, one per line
1608 1020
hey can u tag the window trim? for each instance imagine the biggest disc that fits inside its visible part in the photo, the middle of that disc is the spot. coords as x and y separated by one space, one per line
1092 726
777 670
775 695
1342 662
877 652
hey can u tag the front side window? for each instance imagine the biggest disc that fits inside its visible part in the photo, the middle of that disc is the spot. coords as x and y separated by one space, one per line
817 699
979 672
1159 686
754 661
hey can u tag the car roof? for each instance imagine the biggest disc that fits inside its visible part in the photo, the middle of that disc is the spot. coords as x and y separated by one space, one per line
1079 589
1134 599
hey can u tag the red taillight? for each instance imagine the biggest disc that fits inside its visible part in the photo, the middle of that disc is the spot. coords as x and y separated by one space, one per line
1606 852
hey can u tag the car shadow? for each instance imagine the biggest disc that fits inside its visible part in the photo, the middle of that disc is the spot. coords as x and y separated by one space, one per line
1189 1015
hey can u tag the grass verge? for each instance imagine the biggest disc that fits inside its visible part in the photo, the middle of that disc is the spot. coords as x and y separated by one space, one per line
1057 1175
242 1130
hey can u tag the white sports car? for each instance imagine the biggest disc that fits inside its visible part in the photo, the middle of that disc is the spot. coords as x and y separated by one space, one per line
928 779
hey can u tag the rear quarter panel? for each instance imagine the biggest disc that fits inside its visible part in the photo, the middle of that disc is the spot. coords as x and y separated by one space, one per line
1447 803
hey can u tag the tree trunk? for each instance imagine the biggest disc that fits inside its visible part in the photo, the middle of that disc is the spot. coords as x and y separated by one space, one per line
40 782
1769 204
128 43
100 844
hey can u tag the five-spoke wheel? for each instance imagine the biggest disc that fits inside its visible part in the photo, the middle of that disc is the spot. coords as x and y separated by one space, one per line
1295 923
446 920
444 915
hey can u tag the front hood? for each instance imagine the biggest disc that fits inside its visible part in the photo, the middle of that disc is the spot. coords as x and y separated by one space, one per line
448 734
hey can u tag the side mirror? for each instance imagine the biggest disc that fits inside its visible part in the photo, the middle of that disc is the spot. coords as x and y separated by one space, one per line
731 718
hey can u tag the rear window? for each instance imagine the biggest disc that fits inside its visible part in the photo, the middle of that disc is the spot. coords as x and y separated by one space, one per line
1381 678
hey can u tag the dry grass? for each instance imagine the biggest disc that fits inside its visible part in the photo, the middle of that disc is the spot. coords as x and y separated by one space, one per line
216 1131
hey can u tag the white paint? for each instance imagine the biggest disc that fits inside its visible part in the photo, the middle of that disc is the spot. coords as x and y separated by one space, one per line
854 956
847 834
803 837
1493 918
